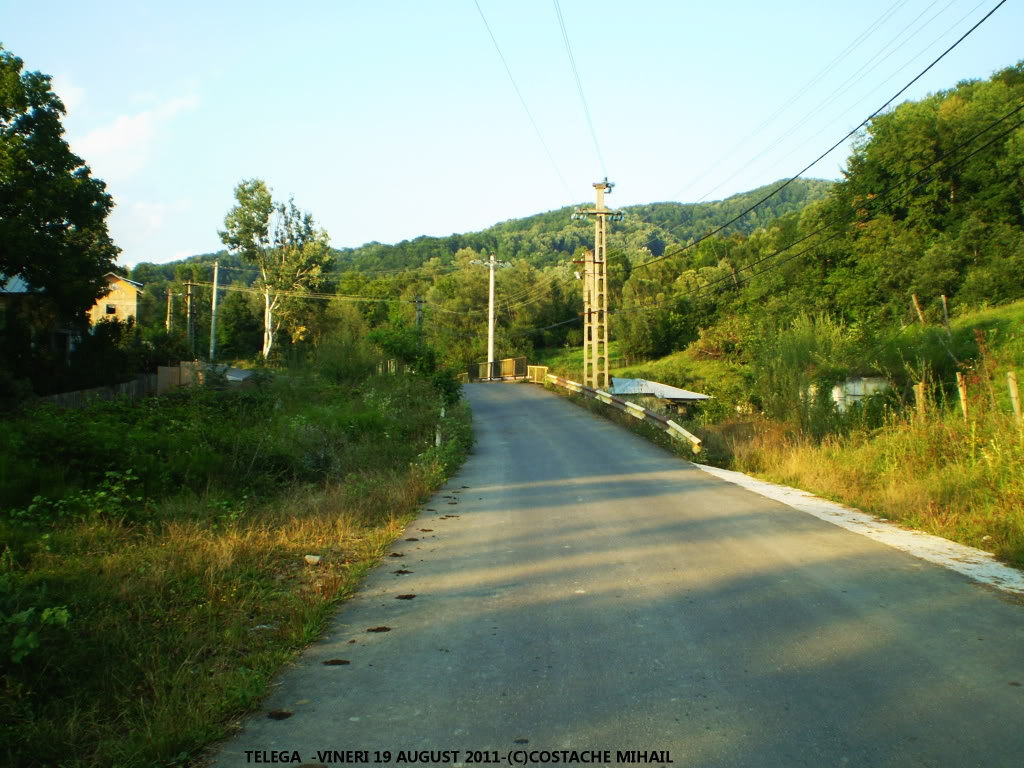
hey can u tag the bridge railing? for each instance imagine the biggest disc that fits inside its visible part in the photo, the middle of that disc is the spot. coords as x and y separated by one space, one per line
666 425
509 368
537 374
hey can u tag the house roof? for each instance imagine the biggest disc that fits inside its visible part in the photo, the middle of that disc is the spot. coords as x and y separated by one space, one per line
654 389
125 279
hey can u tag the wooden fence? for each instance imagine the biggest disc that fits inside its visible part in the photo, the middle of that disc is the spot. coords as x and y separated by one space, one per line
141 386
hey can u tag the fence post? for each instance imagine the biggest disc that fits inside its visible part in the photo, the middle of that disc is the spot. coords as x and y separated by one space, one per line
1011 382
961 387
919 399
917 308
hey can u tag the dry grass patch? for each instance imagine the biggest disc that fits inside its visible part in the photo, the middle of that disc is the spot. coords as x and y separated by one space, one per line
179 620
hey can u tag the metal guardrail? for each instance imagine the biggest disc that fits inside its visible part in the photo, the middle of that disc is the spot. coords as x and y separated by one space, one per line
634 410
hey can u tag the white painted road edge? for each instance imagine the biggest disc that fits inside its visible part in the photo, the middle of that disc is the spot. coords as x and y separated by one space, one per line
973 563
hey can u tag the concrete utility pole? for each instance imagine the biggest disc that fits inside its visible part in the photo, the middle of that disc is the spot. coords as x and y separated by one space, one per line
595 291
213 314
419 311
491 264
169 322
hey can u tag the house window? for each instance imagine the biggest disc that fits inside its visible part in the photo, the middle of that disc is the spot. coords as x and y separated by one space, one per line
111 309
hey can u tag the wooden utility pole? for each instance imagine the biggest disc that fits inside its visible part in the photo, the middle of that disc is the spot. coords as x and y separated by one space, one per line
213 314
419 311
189 320
595 292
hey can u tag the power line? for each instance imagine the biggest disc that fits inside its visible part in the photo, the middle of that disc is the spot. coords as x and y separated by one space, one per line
541 287
291 293
357 271
707 286
841 89
525 331
522 100
792 99
864 122
328 297
579 87
906 64
703 290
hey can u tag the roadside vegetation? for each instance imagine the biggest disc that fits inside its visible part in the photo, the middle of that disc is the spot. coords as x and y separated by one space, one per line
933 468
152 555
153 571
907 271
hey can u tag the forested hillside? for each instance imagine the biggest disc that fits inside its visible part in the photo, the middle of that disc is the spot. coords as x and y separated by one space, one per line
930 205
537 291
546 238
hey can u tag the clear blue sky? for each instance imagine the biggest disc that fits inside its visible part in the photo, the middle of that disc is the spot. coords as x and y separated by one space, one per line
392 119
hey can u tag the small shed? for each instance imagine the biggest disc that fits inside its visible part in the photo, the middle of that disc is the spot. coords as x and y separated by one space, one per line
655 395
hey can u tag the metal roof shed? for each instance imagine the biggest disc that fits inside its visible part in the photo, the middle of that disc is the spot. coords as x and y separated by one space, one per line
654 389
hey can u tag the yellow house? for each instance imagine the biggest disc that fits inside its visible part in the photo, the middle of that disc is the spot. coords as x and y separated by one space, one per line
120 302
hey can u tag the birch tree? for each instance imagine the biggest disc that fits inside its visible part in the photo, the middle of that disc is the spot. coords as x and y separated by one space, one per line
286 246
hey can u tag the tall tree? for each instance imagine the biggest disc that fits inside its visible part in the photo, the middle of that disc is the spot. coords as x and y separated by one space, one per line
287 247
53 231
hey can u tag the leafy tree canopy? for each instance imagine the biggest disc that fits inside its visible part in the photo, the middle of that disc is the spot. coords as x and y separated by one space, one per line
53 230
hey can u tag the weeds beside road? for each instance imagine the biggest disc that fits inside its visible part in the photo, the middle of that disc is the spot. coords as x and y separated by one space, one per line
153 574
933 468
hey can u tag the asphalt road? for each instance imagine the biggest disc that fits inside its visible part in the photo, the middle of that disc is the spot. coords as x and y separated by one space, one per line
593 592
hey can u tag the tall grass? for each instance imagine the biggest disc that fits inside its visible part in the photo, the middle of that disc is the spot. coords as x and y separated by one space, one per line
772 416
959 477
959 480
183 574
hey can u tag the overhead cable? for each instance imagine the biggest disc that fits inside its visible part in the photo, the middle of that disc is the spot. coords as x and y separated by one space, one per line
529 114
864 122
579 87
827 225
841 89
856 43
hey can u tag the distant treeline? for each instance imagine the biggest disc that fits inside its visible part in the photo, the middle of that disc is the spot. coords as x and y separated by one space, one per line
930 205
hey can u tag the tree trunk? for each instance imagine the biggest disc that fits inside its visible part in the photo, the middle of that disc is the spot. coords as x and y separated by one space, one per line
268 324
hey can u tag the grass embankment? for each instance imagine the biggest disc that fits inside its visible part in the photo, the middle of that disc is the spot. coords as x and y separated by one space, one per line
158 579
939 472
568 361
